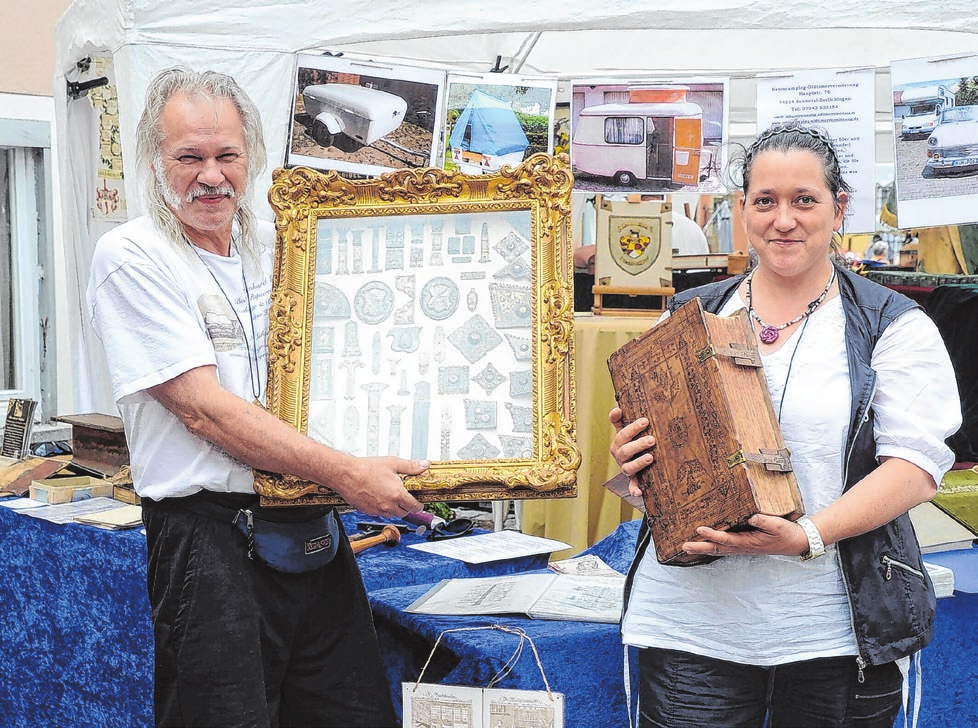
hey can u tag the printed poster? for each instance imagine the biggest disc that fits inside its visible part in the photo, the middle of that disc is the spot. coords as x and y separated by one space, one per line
649 136
494 120
841 102
110 191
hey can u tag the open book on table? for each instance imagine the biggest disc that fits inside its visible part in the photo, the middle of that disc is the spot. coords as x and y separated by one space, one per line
540 596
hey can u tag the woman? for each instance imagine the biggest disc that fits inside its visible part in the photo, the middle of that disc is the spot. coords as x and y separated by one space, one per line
804 623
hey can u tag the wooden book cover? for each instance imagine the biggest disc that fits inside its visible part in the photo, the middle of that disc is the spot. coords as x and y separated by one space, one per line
719 455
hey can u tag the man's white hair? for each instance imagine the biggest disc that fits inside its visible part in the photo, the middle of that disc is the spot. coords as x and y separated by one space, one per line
149 140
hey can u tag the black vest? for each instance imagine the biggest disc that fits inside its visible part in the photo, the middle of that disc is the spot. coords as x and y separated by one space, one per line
891 598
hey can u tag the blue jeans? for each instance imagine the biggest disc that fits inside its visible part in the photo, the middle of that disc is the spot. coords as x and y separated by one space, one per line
682 690
239 645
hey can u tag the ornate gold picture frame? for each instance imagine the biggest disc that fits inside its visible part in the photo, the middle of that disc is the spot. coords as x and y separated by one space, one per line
428 314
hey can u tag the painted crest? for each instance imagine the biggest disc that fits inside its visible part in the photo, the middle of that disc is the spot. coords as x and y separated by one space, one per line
634 242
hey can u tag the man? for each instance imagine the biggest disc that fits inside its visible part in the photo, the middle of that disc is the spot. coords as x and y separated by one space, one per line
180 300
878 251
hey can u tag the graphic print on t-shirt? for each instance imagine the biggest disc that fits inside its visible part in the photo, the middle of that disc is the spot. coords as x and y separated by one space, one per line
222 325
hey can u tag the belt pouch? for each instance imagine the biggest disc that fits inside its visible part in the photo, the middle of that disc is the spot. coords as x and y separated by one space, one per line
290 547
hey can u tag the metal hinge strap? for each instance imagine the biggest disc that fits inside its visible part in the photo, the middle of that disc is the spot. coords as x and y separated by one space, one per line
742 354
778 460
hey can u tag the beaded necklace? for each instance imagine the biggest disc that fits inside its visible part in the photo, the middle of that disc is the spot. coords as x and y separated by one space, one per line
769 333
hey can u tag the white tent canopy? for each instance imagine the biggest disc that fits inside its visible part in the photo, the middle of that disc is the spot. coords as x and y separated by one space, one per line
256 41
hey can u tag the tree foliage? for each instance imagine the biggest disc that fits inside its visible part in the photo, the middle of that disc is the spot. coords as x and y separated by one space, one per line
967 93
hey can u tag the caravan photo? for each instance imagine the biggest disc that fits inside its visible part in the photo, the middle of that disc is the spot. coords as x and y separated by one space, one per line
655 138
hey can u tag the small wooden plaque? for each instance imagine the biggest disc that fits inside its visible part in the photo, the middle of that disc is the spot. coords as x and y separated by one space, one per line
719 454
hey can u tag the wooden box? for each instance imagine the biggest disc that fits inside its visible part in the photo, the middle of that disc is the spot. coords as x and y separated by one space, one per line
719 454
68 490
126 494
98 442
16 476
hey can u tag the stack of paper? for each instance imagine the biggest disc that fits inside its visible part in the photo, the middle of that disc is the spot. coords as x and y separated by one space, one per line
481 548
943 579
540 596
128 516
937 531
68 512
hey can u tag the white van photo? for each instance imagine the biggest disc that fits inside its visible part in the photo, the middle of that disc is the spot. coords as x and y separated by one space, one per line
924 106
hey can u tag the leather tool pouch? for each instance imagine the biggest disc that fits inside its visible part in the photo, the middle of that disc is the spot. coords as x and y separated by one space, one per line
290 547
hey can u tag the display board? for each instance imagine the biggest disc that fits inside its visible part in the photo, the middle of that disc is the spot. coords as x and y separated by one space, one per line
258 42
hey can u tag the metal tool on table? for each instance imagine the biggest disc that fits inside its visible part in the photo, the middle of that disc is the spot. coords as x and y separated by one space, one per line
389 536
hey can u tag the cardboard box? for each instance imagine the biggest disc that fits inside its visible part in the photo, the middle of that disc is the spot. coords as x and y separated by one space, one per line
68 490
737 263
908 256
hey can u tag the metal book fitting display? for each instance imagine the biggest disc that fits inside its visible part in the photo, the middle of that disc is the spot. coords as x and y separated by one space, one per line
428 314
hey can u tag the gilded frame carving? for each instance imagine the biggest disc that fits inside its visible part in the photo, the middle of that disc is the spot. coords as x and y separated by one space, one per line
535 198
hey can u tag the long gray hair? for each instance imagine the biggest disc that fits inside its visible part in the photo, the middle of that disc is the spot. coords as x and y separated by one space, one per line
149 141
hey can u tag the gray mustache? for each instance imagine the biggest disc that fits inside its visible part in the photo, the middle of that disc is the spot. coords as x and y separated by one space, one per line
205 191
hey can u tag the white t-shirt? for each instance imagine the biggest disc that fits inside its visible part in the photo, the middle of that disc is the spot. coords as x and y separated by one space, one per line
769 610
688 237
160 310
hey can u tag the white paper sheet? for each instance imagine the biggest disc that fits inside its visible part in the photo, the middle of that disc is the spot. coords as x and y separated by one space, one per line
66 512
20 504
483 548
842 102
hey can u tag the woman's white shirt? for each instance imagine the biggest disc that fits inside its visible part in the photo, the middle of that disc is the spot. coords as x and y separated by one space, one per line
768 610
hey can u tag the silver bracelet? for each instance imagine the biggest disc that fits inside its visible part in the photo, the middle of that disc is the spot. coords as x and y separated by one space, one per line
815 546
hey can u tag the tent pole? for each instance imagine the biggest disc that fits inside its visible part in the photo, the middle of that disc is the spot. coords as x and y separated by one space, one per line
521 56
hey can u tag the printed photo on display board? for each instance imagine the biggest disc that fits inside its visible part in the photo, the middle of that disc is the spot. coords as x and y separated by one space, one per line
935 132
493 121
650 136
362 118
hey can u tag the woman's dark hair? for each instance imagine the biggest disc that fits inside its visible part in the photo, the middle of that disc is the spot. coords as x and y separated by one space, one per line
788 137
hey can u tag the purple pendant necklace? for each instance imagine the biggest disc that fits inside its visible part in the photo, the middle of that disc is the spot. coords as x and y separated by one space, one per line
769 333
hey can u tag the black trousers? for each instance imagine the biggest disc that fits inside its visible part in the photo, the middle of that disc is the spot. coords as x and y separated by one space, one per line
682 690
239 644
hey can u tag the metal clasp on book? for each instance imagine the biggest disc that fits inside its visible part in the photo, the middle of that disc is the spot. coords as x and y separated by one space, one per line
778 460
742 354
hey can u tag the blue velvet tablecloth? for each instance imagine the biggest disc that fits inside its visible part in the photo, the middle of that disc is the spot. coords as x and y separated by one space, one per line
585 661
76 643
75 636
